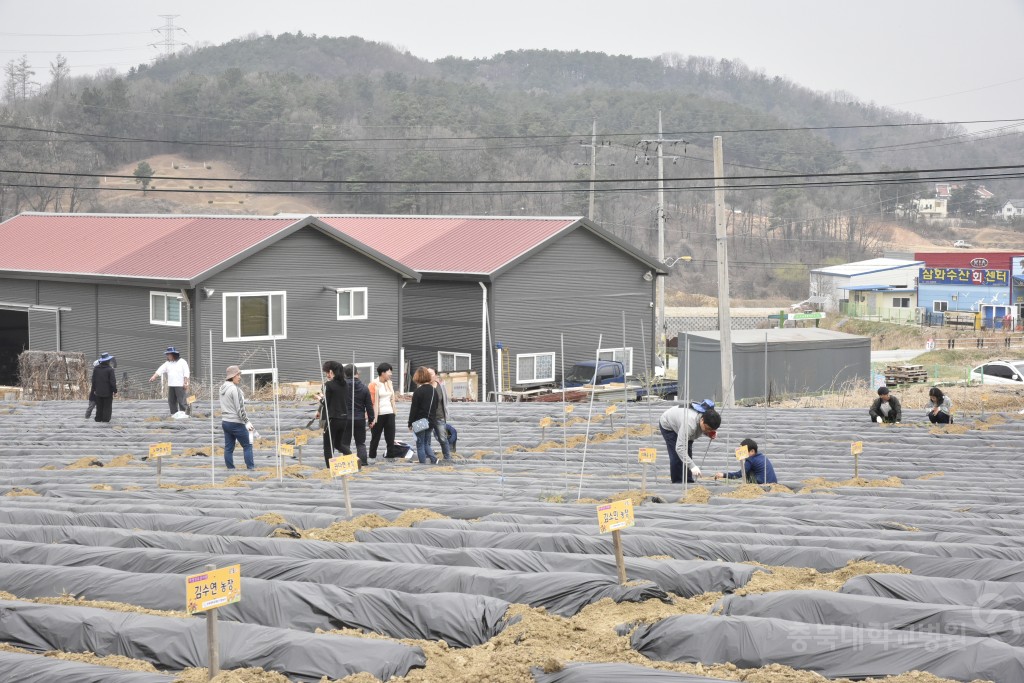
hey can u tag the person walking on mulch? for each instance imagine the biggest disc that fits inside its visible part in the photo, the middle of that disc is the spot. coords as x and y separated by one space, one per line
234 422
92 398
176 371
104 386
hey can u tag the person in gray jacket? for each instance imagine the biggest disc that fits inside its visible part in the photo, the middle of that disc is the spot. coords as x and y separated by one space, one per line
234 421
700 419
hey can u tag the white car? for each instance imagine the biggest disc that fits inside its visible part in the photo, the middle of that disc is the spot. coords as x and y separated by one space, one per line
961 244
999 372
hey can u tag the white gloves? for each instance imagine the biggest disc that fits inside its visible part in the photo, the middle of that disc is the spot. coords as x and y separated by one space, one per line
878 419
695 471
248 425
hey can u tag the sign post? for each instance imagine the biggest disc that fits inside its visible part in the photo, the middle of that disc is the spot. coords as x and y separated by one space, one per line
856 448
342 466
205 593
158 451
300 441
545 422
610 412
614 517
646 456
742 454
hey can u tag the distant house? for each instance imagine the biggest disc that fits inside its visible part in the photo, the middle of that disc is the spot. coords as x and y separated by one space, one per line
523 283
132 285
945 191
931 208
833 284
1013 209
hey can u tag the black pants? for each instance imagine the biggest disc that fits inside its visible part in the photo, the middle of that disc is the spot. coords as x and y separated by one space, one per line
337 434
385 425
357 432
104 406
941 419
176 399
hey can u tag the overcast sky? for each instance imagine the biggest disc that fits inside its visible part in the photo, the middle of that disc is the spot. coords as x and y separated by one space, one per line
946 59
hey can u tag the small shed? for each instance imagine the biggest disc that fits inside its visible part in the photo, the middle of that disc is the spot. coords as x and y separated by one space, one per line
774 362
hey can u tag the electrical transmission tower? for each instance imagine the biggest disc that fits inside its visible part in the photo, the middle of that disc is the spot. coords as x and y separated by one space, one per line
168 32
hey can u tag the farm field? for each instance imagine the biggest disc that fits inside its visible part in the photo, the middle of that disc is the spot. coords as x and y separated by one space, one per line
493 569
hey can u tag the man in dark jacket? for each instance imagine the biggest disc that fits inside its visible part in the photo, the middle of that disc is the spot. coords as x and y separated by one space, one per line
333 412
886 408
360 410
104 386
755 467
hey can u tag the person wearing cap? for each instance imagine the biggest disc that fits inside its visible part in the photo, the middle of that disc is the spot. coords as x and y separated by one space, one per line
92 397
104 386
886 408
176 371
700 419
756 468
233 419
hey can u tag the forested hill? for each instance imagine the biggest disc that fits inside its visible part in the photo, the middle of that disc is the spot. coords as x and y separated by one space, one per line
346 112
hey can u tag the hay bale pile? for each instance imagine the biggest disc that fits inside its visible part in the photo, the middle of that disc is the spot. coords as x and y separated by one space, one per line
49 375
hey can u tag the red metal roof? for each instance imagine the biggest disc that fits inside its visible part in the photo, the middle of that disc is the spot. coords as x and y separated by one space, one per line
450 244
160 247
997 260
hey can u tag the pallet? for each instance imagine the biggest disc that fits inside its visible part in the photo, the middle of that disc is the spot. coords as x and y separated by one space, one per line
905 374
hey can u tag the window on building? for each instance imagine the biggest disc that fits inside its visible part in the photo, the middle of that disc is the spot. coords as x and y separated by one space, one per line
535 367
901 302
367 372
352 304
254 316
258 378
165 309
449 361
617 354
940 306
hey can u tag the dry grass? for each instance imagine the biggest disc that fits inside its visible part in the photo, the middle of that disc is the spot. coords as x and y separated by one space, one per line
345 531
85 463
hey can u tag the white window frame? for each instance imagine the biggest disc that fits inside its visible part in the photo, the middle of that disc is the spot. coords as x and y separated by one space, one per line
898 302
940 306
269 295
455 361
366 372
166 295
534 379
249 377
350 291
616 354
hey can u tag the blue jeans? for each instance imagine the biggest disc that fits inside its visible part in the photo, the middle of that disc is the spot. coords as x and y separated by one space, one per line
236 431
423 449
675 463
438 428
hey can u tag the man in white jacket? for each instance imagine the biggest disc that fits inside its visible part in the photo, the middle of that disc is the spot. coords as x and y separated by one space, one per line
176 371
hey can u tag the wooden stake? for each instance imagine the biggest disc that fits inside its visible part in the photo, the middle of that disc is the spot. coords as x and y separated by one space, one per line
300 454
348 499
643 480
620 560
212 642
159 472
856 465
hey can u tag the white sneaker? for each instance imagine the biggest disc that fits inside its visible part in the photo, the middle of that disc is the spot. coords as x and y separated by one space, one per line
408 456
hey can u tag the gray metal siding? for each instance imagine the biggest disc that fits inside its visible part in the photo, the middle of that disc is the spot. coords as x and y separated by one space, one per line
78 325
42 330
125 332
579 286
441 316
302 264
13 290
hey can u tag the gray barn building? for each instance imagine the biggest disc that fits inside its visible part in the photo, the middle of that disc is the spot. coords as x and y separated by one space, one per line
529 280
799 361
133 285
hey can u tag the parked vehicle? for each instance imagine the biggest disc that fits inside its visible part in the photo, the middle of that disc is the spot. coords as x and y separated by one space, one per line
999 372
608 372
961 244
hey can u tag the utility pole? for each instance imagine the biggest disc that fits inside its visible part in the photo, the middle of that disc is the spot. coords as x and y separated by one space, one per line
661 324
593 167
168 32
722 242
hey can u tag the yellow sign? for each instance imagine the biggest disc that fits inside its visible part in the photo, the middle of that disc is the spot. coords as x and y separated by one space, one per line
159 449
856 448
215 588
568 409
190 400
287 450
545 422
648 455
611 410
742 453
302 439
615 516
344 464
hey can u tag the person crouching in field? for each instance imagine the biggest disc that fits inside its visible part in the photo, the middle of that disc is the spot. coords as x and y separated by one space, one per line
940 407
886 408
757 468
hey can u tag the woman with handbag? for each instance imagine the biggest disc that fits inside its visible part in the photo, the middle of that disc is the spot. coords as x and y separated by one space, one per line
423 400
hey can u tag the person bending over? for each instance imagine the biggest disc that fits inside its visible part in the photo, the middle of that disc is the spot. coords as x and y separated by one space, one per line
700 419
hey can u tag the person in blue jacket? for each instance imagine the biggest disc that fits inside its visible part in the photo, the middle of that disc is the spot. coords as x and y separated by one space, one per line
758 468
